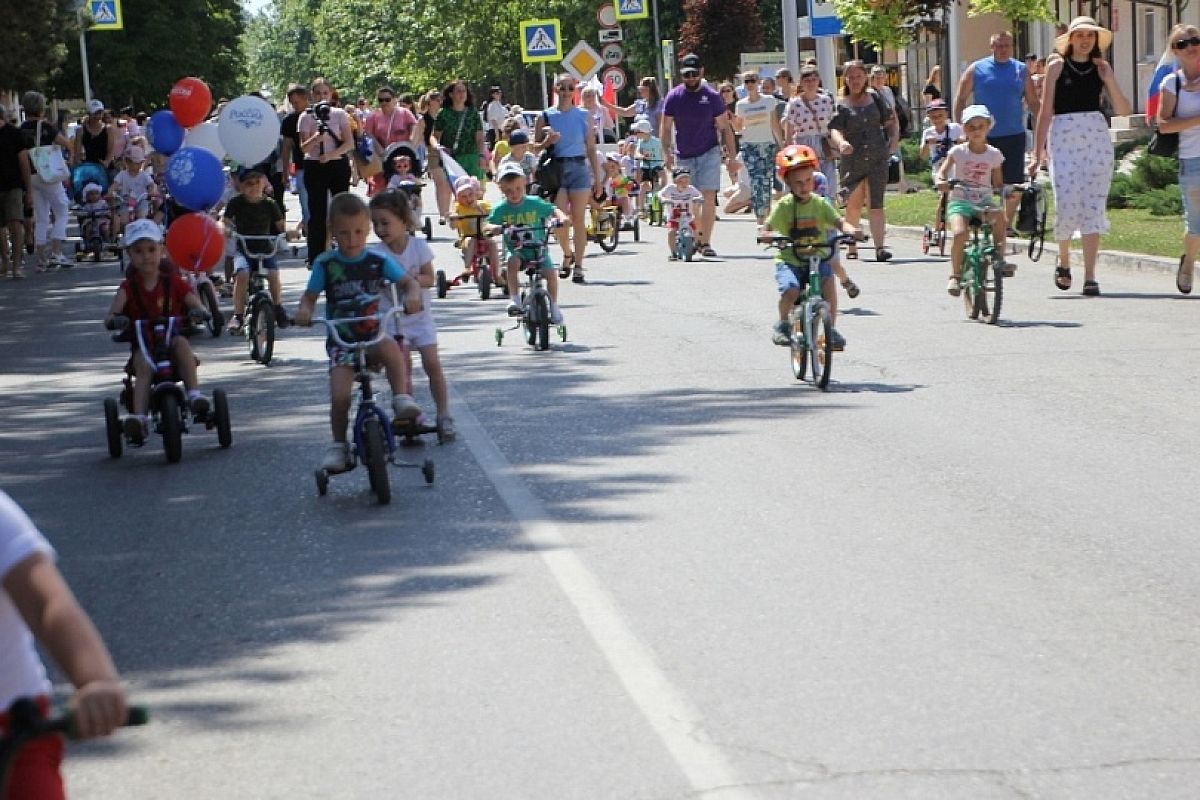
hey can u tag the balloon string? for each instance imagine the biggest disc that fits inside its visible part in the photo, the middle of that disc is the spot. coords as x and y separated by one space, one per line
203 248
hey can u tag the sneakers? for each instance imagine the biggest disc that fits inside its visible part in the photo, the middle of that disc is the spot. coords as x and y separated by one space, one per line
673 256
577 275
445 426
337 457
514 309
404 407
837 340
1007 268
851 288
281 317
556 317
199 405
235 324
952 287
781 334
135 429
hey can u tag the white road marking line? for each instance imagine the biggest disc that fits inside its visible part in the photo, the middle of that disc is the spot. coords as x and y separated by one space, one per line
677 722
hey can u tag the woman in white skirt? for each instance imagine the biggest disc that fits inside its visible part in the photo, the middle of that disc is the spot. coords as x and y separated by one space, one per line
1081 153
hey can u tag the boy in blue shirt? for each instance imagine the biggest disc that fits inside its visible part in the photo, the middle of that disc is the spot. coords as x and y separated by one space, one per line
353 279
519 208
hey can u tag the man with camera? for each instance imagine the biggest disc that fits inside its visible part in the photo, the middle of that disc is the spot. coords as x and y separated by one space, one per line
326 139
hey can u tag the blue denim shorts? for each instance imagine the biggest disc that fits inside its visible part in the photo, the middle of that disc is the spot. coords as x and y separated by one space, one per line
1189 187
789 277
706 169
576 175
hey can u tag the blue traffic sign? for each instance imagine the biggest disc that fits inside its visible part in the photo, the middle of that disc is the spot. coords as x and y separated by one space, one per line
630 9
541 40
823 18
106 15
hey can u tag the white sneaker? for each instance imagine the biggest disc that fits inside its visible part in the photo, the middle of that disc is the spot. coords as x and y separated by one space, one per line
337 457
556 317
404 407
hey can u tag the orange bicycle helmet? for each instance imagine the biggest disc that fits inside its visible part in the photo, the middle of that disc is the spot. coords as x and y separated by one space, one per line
793 157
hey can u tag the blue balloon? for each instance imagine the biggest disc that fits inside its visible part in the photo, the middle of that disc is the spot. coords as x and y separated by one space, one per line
164 132
195 178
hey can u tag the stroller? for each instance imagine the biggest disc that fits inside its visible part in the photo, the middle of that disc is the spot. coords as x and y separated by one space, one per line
95 227
412 187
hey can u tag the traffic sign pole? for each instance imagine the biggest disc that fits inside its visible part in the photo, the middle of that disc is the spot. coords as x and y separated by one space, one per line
545 97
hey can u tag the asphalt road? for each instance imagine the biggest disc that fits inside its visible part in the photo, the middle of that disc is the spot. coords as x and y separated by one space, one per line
654 565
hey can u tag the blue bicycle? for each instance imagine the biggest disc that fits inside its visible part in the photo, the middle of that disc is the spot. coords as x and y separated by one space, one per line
373 444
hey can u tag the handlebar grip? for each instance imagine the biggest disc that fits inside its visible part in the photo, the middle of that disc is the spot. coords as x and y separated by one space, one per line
135 715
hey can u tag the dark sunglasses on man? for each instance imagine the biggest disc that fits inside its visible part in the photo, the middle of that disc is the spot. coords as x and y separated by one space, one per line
1182 44
384 99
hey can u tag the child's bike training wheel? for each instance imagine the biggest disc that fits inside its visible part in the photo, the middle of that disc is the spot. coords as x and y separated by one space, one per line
221 415
375 444
322 482
822 348
927 237
172 427
799 351
112 427
427 228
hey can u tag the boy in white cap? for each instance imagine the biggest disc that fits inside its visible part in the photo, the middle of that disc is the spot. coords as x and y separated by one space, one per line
978 166
133 188
150 292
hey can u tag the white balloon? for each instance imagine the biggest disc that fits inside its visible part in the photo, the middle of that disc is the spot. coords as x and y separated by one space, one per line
249 129
206 137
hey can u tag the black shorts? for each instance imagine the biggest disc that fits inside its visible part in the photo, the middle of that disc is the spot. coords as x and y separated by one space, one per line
1013 150
650 174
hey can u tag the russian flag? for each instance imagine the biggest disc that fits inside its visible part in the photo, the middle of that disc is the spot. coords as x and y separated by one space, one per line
1166 65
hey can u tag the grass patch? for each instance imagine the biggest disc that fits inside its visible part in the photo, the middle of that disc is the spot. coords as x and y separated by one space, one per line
1133 230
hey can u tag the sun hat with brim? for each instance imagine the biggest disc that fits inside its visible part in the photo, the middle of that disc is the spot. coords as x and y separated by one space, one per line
1104 35
141 229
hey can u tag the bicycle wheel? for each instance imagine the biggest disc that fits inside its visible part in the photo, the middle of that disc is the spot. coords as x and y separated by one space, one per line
443 285
821 347
172 427
990 310
484 283
542 328
608 239
262 331
969 281
1037 239
112 427
927 236
221 413
375 445
216 320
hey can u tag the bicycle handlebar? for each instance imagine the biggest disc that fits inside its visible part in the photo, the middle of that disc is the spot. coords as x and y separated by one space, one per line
331 326
25 721
276 241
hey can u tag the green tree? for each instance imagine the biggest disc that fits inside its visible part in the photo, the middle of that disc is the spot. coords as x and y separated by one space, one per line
35 41
889 23
161 43
278 45
719 31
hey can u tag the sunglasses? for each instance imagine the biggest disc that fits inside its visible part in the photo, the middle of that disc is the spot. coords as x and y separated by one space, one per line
384 99
1183 43
749 80
567 87
689 73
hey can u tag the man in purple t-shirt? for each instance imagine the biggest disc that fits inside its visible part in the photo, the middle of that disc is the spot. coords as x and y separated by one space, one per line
696 116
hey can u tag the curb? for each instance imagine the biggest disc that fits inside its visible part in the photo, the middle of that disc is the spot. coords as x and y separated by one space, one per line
1107 259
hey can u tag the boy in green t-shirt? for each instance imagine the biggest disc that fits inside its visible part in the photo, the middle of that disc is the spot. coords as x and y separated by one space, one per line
803 216
520 209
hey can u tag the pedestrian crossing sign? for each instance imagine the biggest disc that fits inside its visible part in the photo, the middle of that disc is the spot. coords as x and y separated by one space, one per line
631 9
541 40
106 15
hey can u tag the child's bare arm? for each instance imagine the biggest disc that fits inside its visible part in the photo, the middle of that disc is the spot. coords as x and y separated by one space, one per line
997 178
943 171
49 609
304 313
425 275
117 307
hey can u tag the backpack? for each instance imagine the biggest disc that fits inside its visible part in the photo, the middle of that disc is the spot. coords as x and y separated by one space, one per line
904 115
1027 212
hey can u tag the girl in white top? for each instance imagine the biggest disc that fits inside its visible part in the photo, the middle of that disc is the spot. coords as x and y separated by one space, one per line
762 134
35 602
391 215
1179 112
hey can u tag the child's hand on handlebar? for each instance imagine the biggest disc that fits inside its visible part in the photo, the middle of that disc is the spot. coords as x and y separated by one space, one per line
99 708
117 322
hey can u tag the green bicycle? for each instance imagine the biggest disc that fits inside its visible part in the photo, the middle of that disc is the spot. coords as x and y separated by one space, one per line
980 275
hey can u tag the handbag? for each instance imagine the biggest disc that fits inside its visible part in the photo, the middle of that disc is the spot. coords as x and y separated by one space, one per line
1166 144
548 174
48 159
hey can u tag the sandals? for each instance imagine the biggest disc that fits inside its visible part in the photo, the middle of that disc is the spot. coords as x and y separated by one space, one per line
1062 278
852 251
1091 289
565 270
1183 278
851 288
883 254
577 275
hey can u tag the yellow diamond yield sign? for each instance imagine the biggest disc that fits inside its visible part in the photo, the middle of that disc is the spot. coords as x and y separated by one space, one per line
583 61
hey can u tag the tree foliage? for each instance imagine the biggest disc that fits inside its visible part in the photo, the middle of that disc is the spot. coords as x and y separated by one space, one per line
161 43
35 41
892 23
719 31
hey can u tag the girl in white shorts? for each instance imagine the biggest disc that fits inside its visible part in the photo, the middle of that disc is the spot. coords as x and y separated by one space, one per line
391 214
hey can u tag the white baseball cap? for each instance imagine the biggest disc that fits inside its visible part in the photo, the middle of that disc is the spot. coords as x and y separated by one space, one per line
141 229
92 187
642 126
509 169
976 111
94 106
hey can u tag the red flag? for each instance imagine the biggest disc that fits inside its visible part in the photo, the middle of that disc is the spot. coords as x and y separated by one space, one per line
610 92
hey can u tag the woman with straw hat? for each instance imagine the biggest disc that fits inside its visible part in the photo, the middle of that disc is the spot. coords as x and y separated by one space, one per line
1081 153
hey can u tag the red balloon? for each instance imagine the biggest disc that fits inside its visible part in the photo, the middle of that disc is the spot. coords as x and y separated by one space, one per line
195 242
191 101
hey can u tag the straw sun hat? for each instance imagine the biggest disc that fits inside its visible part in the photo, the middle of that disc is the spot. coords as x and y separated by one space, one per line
1104 35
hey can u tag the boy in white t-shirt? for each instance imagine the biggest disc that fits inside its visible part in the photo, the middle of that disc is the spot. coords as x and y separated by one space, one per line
36 603
941 135
977 167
